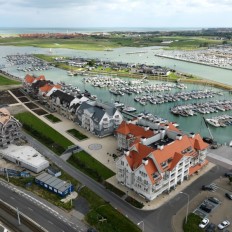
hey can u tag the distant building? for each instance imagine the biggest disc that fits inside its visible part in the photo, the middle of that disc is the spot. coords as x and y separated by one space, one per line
157 160
54 184
25 157
98 118
29 80
10 128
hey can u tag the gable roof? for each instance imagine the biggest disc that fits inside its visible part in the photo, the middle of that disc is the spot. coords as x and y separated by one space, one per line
47 87
173 152
138 131
151 169
198 143
136 155
64 97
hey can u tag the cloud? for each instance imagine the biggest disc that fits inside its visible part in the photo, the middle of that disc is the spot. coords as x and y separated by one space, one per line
120 13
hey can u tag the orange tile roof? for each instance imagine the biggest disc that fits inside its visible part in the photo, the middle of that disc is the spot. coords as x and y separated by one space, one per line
169 151
176 158
173 128
41 78
29 79
198 143
197 167
46 88
151 169
129 128
136 154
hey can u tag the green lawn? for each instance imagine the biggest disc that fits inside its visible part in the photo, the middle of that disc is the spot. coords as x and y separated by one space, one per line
90 166
6 81
100 209
192 224
77 134
44 133
52 118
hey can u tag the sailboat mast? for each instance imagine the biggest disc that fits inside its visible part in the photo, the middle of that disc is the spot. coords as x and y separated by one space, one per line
208 128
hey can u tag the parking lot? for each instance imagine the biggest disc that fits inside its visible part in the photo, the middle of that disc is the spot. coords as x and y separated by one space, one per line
218 213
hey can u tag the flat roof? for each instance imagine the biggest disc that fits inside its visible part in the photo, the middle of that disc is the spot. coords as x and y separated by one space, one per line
25 154
161 142
53 181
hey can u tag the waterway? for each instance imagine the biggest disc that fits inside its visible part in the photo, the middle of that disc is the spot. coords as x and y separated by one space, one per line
187 124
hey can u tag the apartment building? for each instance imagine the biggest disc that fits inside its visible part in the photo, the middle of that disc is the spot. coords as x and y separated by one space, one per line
99 118
157 160
10 128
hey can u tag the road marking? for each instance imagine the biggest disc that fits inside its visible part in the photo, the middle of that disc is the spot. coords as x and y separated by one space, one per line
30 208
50 222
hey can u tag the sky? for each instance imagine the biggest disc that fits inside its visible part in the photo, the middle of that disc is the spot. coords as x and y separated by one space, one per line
116 13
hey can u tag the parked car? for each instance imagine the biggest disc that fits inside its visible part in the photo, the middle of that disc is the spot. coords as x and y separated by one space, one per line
207 188
229 196
210 228
204 223
205 208
214 200
223 224
228 174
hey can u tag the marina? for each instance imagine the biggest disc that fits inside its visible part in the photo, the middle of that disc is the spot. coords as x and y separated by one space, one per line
161 110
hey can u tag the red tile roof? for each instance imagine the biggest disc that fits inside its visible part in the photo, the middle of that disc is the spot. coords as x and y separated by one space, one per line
138 131
136 154
198 143
150 169
29 79
197 167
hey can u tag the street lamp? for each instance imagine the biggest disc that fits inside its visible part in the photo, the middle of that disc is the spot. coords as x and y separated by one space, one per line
140 223
186 218
70 190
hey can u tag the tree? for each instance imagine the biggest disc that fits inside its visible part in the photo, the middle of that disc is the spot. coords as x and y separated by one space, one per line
230 179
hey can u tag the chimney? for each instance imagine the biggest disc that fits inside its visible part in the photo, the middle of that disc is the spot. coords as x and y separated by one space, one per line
143 140
192 135
145 161
166 126
147 128
178 137
126 152
128 122
162 133
160 147
157 123
155 131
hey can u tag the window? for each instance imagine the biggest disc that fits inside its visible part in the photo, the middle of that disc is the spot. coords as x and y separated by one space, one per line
145 182
122 163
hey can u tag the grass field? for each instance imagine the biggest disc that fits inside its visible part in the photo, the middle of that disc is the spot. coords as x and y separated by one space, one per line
90 166
103 43
100 209
6 81
77 134
52 118
43 192
44 133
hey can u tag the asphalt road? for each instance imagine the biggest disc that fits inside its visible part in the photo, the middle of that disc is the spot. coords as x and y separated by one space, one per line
159 220
37 212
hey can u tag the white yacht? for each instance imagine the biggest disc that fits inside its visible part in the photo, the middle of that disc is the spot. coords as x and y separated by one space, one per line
213 122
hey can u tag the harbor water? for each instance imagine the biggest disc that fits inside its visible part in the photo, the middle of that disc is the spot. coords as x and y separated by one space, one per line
187 124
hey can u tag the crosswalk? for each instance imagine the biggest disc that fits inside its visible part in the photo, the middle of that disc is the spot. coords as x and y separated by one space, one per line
214 187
